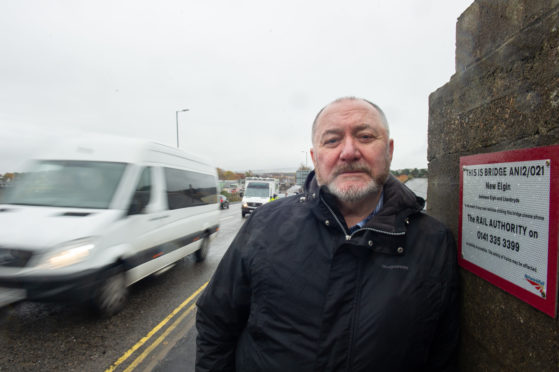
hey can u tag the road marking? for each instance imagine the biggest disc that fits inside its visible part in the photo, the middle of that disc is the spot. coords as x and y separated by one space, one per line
146 352
169 344
150 334
227 218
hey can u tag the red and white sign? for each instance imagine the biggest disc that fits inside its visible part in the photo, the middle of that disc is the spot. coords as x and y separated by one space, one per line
509 222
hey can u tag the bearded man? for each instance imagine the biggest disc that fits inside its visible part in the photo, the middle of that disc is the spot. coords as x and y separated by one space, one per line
351 276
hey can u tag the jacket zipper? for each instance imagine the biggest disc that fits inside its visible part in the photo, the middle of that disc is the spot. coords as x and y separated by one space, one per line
356 313
347 237
356 298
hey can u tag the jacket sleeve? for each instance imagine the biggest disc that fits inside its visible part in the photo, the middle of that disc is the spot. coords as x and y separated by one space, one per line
223 309
443 354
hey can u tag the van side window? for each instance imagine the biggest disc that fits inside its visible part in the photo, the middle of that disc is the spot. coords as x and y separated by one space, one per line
188 189
142 194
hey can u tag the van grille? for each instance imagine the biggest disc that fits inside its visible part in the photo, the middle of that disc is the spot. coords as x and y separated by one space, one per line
14 257
254 204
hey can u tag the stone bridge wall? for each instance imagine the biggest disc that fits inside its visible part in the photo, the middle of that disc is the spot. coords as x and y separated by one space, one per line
504 96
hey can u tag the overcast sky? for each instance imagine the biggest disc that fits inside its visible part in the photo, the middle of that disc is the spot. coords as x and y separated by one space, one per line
252 73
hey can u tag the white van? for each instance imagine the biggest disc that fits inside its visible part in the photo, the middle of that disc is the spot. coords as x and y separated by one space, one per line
258 191
96 214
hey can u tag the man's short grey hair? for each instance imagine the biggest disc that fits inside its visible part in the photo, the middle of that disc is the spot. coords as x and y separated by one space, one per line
383 119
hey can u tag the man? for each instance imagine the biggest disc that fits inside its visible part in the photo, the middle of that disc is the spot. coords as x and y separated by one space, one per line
352 276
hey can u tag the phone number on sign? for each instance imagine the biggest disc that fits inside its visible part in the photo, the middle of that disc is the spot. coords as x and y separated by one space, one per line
499 241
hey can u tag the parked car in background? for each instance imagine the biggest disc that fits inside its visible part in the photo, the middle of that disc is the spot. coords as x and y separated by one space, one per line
223 202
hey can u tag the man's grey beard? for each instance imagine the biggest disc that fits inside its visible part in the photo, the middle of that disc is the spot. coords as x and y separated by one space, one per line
353 194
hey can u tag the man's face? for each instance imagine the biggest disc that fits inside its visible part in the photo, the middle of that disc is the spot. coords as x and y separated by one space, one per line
351 150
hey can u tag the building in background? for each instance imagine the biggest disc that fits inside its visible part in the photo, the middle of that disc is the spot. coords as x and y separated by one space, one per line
301 176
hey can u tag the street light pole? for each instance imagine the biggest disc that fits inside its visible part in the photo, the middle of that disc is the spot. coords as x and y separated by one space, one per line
306 166
177 118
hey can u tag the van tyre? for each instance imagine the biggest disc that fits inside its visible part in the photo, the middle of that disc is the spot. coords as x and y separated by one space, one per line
111 295
200 254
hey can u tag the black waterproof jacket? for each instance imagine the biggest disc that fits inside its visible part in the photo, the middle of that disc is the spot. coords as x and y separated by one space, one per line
296 292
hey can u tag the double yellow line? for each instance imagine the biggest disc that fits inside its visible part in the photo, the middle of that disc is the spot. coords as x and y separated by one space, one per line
156 329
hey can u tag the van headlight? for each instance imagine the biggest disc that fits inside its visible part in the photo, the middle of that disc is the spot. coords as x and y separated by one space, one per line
245 204
67 254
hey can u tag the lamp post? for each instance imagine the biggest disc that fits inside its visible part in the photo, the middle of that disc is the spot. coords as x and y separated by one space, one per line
177 118
306 166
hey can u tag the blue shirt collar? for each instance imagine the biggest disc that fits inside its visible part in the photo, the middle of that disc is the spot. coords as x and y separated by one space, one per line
377 209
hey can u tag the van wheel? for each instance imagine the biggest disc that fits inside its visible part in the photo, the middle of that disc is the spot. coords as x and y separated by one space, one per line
200 254
111 295
244 214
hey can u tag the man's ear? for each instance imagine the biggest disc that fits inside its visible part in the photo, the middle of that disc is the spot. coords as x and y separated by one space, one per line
390 149
312 157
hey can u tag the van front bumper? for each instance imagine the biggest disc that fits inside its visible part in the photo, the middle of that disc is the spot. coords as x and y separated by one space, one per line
248 209
75 287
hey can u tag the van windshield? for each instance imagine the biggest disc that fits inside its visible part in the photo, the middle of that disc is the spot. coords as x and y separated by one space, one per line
67 183
258 189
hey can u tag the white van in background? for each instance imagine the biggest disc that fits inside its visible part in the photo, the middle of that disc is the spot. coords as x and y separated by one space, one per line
258 191
96 214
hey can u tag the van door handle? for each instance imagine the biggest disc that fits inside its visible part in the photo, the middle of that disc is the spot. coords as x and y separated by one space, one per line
159 217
